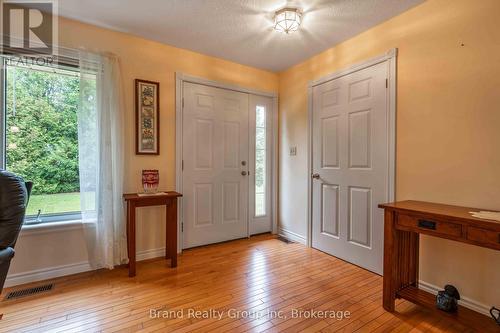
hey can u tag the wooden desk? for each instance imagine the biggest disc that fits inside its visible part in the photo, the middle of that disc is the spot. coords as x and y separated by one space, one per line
170 201
404 222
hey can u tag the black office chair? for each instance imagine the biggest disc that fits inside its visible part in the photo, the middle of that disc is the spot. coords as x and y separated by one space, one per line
14 197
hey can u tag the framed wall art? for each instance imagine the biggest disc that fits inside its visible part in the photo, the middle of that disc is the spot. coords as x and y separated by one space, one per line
147 115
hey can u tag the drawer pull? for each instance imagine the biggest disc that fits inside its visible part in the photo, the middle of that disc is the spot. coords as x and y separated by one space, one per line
426 224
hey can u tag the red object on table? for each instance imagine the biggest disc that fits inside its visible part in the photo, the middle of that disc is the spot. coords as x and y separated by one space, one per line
169 199
150 180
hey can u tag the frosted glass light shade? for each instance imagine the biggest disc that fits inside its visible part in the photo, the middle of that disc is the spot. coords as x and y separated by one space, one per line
287 20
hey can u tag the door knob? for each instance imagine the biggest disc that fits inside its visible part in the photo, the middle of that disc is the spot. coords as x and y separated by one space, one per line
243 173
315 175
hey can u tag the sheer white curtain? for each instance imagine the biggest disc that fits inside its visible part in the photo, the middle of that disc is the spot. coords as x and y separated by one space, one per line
100 140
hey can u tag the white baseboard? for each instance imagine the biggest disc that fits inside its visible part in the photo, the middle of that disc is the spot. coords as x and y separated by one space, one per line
46 273
292 236
464 301
64 270
150 254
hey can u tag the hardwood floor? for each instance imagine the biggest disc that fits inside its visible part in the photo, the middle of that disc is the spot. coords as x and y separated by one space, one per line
258 275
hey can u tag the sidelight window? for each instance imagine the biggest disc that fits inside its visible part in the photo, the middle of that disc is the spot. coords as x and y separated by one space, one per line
260 161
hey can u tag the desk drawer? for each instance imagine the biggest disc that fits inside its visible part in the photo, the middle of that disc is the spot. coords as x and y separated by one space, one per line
429 226
485 237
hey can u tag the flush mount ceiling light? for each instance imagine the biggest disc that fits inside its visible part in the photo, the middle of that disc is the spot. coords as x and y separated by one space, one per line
287 20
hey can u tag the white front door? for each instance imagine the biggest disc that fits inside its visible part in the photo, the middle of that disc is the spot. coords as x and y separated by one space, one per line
350 166
215 164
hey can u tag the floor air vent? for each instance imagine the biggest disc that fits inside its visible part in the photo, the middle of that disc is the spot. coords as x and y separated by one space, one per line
285 240
29 291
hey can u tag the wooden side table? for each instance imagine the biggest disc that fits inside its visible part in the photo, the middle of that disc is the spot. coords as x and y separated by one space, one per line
404 222
169 199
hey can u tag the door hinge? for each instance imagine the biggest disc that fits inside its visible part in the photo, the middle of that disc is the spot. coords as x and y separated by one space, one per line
182 226
183 102
387 83
182 167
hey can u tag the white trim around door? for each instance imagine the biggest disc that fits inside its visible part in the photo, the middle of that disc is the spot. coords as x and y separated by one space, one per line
180 79
390 57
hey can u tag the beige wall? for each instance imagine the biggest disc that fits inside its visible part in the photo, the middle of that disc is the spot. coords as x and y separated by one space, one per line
153 61
448 125
144 59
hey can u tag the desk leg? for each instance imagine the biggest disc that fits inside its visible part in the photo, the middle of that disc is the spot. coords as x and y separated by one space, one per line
390 259
127 223
131 238
400 260
171 233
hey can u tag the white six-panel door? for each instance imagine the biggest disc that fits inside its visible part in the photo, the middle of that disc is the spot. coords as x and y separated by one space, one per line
350 166
214 179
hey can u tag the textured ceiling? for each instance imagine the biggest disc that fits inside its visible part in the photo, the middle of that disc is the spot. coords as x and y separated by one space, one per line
238 30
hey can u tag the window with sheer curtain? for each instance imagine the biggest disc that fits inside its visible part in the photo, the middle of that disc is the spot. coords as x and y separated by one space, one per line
40 136
62 128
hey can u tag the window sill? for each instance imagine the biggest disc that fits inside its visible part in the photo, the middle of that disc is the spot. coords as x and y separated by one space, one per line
50 227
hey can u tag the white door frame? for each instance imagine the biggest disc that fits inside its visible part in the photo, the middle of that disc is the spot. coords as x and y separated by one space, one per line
180 78
391 57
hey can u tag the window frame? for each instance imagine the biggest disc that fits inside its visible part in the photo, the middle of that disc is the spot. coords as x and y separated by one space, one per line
266 151
3 117
30 220
52 218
